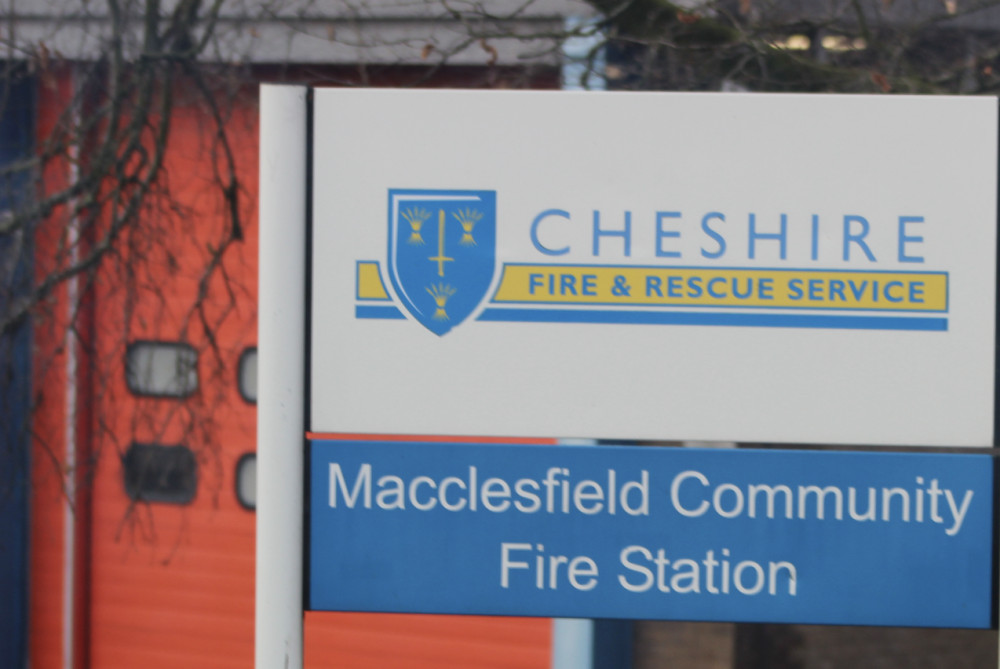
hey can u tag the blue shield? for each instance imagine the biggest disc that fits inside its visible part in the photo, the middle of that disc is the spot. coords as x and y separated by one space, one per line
442 252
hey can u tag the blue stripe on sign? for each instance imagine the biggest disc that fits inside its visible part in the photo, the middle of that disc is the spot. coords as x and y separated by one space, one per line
372 311
723 319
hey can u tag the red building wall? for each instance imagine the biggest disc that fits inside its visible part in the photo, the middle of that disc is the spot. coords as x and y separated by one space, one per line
117 582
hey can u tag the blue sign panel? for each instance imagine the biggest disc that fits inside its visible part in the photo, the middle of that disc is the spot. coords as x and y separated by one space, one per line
821 537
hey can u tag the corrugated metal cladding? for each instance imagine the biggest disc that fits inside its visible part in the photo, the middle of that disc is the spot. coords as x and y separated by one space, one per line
418 642
161 581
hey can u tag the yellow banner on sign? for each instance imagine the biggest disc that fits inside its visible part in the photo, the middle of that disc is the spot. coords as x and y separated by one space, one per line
369 282
724 287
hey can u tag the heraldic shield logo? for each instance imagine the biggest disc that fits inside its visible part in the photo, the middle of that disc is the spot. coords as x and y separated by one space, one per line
442 252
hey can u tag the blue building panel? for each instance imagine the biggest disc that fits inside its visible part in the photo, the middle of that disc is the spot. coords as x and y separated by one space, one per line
16 142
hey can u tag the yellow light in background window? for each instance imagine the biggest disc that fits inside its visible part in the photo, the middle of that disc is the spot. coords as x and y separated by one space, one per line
844 43
794 43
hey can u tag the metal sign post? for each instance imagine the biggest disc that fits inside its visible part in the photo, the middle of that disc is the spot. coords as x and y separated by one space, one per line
281 391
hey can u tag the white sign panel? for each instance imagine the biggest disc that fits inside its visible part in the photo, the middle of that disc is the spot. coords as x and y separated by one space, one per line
762 268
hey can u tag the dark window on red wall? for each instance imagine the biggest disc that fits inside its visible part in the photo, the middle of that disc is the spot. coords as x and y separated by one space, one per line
165 474
246 378
246 481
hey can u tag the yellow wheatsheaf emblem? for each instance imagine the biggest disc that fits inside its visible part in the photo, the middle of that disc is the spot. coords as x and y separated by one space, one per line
415 217
441 293
468 218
